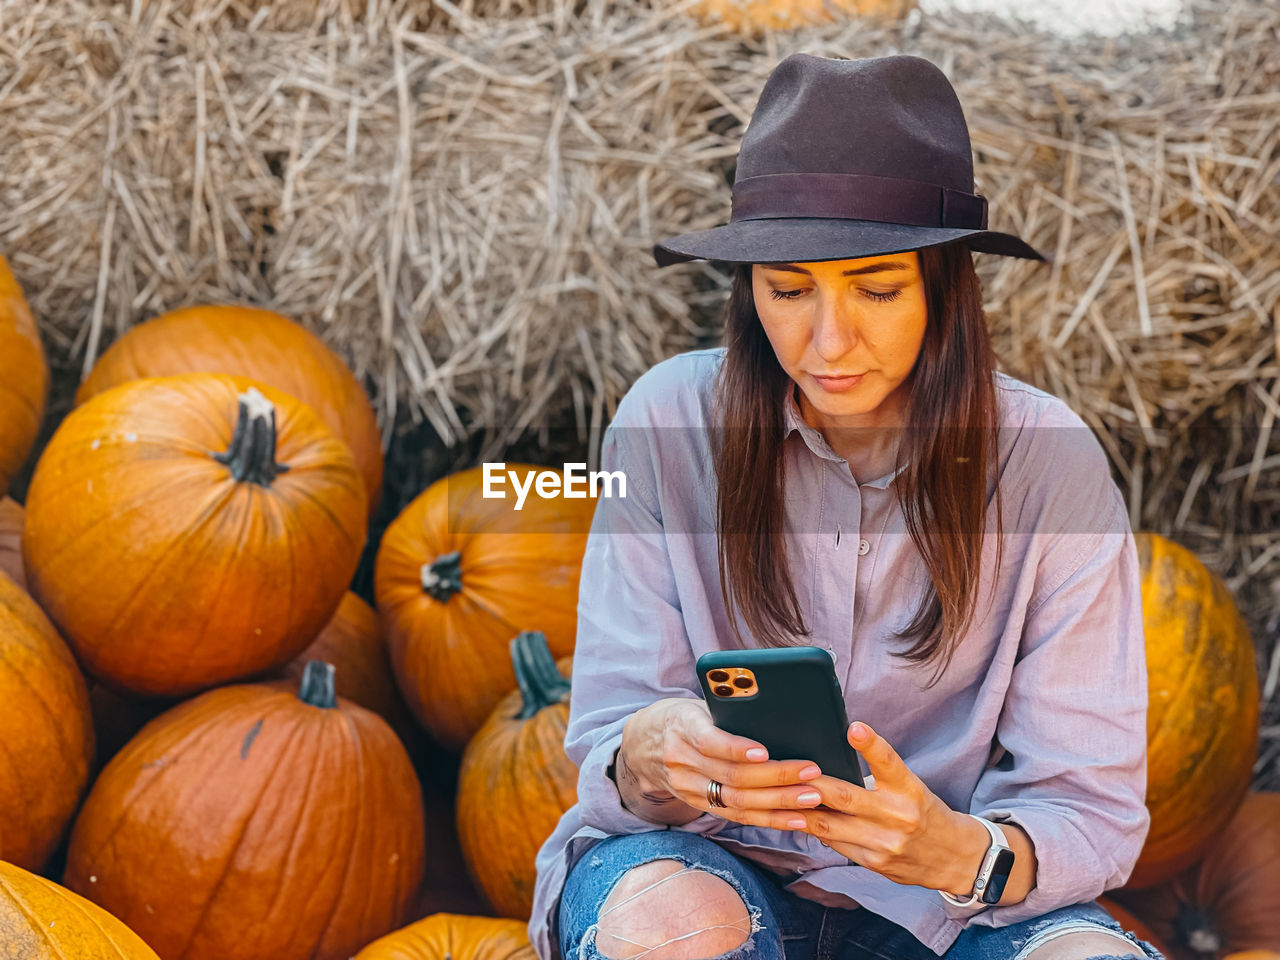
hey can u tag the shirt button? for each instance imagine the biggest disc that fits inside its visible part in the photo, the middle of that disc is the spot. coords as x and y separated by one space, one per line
864 547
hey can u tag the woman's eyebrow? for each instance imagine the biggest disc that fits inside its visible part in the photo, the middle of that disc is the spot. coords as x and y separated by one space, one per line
870 268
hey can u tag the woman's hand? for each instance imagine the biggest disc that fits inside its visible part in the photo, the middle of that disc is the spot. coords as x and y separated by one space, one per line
899 828
671 749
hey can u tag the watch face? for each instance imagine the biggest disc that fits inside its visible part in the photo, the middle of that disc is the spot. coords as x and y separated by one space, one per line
999 877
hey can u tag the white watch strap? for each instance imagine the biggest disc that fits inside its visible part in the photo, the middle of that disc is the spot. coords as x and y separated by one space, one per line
998 842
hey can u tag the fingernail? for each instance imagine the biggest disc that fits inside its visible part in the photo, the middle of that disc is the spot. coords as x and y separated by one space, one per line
797 823
809 772
757 753
859 732
809 797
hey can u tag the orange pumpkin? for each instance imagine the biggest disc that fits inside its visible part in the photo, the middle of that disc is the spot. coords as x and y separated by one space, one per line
11 515
255 823
352 642
457 576
755 17
46 735
1133 924
449 936
186 531
1202 722
24 377
516 763
1228 901
40 920
255 343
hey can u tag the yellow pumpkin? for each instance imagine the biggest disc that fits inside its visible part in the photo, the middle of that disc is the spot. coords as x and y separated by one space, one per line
40 920
756 16
1202 722
450 936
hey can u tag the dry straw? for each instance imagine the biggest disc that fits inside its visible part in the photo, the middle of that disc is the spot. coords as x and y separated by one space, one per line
462 197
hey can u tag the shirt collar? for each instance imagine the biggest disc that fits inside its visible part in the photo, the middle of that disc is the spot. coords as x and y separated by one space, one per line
793 421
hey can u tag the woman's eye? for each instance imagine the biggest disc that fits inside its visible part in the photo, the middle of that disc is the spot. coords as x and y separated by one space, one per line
879 297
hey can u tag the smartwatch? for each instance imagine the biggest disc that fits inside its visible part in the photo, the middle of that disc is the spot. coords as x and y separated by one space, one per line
988 886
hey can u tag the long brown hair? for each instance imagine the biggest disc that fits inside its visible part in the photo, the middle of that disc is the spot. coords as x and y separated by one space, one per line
949 443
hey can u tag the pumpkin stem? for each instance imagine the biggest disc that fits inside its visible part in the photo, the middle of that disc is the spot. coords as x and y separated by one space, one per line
317 685
442 577
540 680
252 454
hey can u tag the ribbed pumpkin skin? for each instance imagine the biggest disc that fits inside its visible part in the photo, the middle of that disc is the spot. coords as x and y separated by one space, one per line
450 936
246 823
1202 719
515 783
165 573
46 734
40 920
1232 894
352 642
255 343
24 377
11 515
519 571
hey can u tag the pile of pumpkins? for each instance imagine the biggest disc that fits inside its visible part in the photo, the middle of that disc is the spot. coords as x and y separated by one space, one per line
216 734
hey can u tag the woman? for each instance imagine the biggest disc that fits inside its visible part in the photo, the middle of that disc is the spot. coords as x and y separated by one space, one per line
825 478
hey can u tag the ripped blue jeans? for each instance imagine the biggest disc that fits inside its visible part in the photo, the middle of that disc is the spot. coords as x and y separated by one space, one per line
786 926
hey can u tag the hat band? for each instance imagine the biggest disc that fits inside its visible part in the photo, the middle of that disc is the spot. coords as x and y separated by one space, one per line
856 196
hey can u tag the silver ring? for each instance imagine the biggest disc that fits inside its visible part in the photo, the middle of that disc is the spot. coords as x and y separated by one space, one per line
713 793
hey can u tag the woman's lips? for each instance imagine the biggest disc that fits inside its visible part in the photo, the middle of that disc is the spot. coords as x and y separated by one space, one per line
839 384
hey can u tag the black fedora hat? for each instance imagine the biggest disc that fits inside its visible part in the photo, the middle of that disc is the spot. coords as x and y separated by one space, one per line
850 158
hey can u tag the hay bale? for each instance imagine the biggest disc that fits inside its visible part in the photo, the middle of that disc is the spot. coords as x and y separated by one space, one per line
462 197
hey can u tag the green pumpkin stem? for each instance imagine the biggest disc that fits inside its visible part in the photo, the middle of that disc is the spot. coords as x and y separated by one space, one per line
442 577
252 454
316 688
540 680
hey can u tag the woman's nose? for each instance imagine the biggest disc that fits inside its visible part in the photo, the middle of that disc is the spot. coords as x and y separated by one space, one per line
835 327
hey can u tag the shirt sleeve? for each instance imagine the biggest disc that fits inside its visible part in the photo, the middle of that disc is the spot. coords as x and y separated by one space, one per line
1073 728
632 647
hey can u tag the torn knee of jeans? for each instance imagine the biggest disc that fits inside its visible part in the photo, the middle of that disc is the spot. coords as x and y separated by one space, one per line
753 911
588 947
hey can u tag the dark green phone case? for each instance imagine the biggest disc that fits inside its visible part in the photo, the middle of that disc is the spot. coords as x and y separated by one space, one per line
797 712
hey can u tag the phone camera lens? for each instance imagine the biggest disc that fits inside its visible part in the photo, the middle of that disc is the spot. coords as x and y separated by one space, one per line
743 683
724 691
719 676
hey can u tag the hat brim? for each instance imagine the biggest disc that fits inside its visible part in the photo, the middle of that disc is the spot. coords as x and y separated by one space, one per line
809 239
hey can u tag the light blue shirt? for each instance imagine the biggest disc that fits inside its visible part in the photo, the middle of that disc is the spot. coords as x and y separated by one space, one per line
1039 720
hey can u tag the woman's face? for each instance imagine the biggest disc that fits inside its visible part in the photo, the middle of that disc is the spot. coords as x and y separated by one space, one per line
845 317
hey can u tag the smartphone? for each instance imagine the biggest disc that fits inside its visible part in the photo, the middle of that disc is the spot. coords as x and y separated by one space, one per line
786 698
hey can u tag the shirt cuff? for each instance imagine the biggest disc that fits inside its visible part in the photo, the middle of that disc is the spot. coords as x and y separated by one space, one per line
1066 865
601 805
